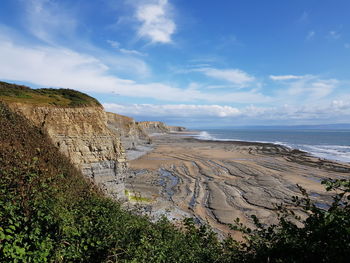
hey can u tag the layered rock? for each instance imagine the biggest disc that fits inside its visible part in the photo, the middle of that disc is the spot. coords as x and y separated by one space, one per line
176 128
130 132
153 127
81 133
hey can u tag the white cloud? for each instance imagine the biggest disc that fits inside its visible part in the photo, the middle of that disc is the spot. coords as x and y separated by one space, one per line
333 111
322 88
312 87
340 105
156 23
61 67
308 86
116 45
285 77
132 52
235 76
176 110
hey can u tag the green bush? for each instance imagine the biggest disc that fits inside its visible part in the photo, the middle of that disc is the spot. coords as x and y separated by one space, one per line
323 236
59 97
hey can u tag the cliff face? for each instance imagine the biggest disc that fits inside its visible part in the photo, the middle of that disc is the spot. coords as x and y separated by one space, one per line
176 128
130 132
81 133
153 127
134 133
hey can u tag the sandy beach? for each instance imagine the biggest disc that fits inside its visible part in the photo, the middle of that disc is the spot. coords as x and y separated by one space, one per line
216 182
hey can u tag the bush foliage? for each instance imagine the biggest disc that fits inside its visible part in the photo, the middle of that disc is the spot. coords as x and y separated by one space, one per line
45 97
50 213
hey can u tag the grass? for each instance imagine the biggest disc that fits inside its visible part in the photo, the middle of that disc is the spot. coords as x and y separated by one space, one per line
45 97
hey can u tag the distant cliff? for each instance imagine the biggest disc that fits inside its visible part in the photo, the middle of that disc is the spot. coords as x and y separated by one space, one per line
176 128
158 127
134 133
153 127
130 132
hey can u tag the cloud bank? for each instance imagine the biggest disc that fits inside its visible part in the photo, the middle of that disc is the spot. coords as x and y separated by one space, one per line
340 108
155 20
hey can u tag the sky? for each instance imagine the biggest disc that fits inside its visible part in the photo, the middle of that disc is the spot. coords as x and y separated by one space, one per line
196 63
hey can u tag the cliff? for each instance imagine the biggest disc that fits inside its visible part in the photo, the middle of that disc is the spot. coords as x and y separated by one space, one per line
176 128
130 132
153 127
158 127
134 133
82 135
77 125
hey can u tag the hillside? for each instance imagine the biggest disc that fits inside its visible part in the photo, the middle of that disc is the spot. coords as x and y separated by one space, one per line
45 97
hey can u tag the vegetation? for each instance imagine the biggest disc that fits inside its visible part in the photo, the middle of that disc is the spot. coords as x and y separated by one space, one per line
45 97
136 197
50 213
323 236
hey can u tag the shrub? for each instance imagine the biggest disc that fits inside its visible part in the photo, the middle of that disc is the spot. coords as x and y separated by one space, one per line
323 236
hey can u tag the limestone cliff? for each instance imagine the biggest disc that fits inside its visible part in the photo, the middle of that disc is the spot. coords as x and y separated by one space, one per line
176 128
153 127
134 133
130 132
81 133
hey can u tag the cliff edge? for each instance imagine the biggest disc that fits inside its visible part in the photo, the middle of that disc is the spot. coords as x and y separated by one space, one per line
77 125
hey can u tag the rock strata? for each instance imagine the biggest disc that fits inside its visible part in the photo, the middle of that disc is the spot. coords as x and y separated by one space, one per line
81 133
151 127
130 132
176 128
136 137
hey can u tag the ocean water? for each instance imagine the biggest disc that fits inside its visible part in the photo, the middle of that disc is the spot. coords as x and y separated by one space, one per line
327 144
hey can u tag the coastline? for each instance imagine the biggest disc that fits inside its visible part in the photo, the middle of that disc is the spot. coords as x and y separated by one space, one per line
217 181
204 135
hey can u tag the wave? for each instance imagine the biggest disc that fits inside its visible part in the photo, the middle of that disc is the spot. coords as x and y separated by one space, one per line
331 152
203 135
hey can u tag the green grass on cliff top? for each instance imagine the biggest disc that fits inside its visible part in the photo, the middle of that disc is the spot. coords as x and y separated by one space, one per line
45 97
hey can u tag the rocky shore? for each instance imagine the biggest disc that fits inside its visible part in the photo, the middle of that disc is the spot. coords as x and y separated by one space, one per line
216 182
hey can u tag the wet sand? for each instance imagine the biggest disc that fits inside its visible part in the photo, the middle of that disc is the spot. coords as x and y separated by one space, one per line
216 182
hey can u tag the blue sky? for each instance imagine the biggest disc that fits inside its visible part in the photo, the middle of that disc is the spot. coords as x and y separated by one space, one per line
193 63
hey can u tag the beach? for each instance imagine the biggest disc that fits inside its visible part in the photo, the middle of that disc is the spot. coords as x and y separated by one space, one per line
216 182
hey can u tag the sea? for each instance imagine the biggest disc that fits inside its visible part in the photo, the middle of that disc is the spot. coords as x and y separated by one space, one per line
326 144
